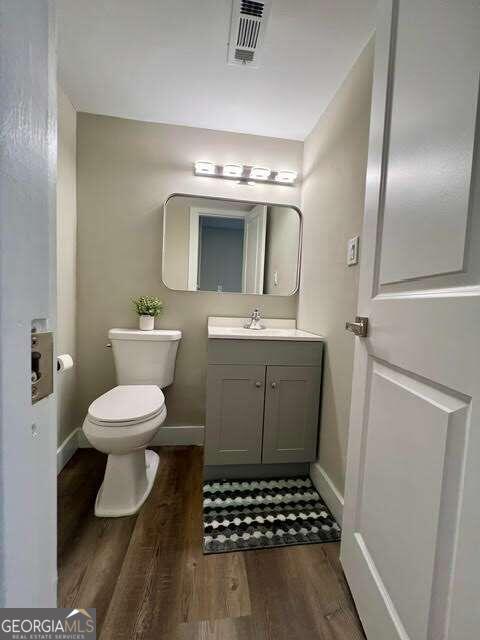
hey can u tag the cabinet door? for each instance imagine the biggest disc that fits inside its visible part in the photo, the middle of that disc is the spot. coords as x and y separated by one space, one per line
291 414
235 402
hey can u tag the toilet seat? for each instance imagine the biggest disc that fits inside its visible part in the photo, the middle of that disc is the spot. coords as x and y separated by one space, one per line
127 405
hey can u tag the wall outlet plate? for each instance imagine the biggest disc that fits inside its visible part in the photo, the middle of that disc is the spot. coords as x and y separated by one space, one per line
352 251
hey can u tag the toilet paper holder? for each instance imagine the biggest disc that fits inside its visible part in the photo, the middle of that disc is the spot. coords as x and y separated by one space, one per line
64 362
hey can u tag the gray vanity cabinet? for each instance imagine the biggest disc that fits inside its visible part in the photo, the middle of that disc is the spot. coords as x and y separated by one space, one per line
235 403
291 414
262 402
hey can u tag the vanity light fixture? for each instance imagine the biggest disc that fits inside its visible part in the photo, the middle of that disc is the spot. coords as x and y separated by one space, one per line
259 173
233 170
287 177
204 168
245 174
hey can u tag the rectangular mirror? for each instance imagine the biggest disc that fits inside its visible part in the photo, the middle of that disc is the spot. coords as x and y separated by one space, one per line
213 244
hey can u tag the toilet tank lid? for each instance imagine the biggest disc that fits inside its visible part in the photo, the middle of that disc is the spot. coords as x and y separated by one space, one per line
156 335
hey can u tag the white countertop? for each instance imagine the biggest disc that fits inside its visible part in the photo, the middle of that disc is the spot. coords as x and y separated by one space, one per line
275 329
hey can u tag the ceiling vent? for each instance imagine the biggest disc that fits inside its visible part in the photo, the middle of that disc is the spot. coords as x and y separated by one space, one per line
249 20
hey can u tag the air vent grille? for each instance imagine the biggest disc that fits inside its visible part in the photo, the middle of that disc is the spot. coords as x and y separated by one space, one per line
247 30
250 8
244 55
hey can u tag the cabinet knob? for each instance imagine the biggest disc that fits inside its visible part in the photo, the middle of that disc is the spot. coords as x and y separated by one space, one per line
274 385
258 384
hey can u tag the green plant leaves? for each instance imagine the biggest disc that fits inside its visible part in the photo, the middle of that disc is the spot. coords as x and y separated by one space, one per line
148 306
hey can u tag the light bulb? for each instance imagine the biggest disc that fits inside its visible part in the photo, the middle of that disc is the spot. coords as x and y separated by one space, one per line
259 173
233 170
286 176
204 168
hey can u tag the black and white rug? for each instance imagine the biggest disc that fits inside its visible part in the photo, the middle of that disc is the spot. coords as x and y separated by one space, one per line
256 514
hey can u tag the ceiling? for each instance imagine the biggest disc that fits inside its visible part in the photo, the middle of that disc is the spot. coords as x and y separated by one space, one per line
165 61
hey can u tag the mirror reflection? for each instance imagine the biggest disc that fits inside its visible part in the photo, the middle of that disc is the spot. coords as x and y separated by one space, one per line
230 246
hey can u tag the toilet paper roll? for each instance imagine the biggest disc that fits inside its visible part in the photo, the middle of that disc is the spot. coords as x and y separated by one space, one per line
64 362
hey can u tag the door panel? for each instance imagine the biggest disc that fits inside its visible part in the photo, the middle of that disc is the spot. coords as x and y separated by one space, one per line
404 470
235 401
291 414
428 179
28 432
411 517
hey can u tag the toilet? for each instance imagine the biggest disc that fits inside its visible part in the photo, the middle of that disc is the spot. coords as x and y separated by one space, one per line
123 421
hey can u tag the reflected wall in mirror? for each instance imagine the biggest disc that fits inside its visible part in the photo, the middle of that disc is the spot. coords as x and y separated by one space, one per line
230 246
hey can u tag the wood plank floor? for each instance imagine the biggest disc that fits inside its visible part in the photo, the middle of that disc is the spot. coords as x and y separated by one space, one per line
148 578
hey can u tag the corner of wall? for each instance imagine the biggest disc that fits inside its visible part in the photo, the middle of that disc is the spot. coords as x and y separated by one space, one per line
329 492
66 334
333 192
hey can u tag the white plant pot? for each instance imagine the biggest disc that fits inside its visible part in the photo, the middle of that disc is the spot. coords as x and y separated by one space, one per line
146 323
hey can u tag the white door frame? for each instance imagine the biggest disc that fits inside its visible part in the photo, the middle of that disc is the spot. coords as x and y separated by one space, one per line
259 213
194 218
28 433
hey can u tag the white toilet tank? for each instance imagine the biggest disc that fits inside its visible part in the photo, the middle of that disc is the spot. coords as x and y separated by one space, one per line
144 357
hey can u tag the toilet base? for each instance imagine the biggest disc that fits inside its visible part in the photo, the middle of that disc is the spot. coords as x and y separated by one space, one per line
127 483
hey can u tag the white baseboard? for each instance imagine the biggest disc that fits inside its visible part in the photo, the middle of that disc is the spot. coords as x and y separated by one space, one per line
66 450
327 490
178 435
83 443
166 436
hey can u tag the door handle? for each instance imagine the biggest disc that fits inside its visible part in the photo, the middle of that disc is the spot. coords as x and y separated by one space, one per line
274 385
258 384
359 327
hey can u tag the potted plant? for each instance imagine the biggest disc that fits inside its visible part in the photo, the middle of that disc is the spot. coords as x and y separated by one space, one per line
148 308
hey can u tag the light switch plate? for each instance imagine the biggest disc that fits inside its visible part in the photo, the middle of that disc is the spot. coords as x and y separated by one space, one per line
352 251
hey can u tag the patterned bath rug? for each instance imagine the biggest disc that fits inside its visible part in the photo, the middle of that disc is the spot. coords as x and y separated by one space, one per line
260 514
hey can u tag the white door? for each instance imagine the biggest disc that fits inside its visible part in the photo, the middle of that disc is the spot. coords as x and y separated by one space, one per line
254 249
28 432
411 539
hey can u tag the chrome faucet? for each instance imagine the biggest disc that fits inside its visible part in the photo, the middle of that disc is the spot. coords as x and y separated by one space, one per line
255 321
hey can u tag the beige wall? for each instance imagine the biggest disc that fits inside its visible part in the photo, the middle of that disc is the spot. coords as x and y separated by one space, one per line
283 235
125 170
66 263
335 158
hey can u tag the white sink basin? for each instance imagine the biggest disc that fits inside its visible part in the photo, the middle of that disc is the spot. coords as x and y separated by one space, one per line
275 329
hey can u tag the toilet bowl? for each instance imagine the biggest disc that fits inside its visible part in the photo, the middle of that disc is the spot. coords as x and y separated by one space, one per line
121 423
124 420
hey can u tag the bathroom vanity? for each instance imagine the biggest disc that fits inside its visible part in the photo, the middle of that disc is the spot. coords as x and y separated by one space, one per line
263 394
